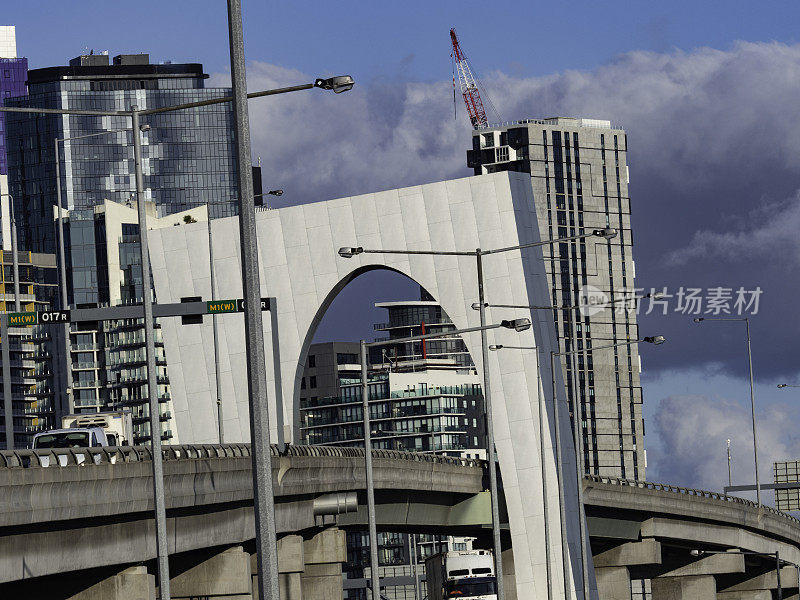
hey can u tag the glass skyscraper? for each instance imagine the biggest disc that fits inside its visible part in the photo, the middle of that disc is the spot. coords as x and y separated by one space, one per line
188 156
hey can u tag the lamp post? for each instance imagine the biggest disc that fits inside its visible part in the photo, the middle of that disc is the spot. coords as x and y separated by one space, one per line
752 394
8 395
349 252
778 561
516 324
578 441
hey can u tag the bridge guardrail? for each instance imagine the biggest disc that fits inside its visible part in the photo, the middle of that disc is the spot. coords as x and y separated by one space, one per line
27 458
676 489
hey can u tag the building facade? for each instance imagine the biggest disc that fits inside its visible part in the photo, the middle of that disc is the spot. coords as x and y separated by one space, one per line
13 74
579 174
38 396
423 398
109 363
188 156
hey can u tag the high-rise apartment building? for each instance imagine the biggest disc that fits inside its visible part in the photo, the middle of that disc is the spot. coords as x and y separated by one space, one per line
37 394
13 74
579 174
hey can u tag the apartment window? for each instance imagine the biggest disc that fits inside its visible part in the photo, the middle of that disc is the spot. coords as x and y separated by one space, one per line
303 383
502 154
312 382
488 140
6 73
312 361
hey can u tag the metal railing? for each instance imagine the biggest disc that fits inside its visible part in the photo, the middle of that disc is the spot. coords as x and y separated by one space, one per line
676 489
122 454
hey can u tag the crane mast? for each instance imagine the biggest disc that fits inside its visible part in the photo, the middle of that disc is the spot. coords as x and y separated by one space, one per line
468 85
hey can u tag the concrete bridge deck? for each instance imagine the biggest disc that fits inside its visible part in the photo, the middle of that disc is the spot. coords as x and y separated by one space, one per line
88 514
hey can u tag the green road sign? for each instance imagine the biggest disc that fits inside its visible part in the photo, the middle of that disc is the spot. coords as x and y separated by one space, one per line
222 306
17 319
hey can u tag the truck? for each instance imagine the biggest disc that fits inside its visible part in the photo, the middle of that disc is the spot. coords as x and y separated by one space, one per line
112 428
467 575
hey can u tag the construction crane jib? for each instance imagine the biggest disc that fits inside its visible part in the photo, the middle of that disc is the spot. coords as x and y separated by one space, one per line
468 84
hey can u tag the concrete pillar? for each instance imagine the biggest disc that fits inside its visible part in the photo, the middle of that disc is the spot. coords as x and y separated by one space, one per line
226 575
290 568
323 556
509 575
763 585
134 583
646 552
613 583
309 569
751 595
687 587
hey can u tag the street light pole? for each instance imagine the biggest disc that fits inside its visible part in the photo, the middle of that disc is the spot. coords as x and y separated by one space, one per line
373 528
162 549
63 283
516 324
490 447
263 497
752 395
218 382
730 482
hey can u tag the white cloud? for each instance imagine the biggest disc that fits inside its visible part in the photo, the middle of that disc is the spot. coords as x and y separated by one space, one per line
693 430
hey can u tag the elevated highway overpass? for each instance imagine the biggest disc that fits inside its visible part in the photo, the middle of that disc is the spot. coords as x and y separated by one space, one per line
82 525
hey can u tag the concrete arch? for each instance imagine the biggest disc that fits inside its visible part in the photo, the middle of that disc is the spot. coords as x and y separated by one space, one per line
300 267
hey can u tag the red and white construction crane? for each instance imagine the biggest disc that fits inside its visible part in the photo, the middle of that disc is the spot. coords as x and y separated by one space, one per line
469 85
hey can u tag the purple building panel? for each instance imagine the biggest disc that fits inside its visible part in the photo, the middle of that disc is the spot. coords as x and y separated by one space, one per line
13 75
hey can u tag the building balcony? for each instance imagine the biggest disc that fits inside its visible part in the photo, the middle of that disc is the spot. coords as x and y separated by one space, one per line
92 383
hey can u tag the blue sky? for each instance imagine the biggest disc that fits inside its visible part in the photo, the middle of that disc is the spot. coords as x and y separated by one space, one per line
396 39
707 92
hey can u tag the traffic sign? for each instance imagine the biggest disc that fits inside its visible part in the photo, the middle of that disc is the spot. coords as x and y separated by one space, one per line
216 307
53 316
22 318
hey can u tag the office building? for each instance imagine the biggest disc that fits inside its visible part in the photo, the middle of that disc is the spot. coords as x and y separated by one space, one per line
579 174
108 358
13 74
424 397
